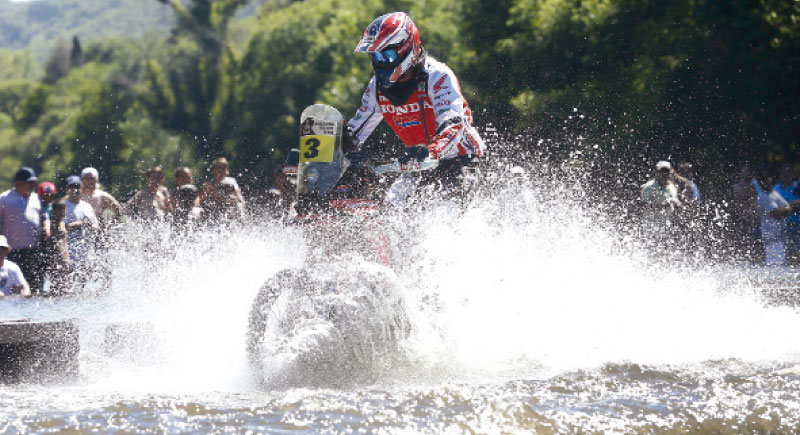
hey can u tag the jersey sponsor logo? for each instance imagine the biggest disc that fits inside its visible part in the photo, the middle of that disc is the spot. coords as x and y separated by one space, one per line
443 103
407 124
405 108
439 85
357 117
363 108
440 111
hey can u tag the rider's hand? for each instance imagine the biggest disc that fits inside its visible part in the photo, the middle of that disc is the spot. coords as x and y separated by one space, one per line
349 140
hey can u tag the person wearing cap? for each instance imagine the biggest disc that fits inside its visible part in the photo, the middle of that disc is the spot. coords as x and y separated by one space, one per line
660 191
24 223
105 206
153 201
47 193
79 221
12 281
660 195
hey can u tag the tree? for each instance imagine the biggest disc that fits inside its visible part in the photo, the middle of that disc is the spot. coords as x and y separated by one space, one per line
198 74
58 64
76 55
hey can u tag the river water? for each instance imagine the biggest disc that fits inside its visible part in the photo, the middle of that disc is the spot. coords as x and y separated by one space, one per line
525 313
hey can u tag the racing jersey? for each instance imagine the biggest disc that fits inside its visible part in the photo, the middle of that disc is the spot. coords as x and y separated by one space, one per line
436 115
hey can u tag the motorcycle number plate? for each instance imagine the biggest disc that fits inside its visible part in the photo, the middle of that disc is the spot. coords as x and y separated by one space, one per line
317 148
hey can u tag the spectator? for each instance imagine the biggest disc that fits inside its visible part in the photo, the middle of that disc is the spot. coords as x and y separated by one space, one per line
215 195
106 207
24 223
185 209
280 195
153 201
11 278
659 196
228 207
660 193
744 213
56 250
183 177
773 228
79 221
290 166
789 189
686 176
47 192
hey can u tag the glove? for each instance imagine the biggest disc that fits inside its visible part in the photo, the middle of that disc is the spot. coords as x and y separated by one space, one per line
349 141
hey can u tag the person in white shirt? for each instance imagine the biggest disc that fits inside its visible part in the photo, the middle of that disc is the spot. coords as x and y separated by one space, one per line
11 279
24 223
105 206
79 220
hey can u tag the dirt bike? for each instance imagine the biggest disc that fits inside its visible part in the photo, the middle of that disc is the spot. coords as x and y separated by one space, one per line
341 315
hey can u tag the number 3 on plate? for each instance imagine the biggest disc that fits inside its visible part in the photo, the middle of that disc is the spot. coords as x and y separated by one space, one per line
317 148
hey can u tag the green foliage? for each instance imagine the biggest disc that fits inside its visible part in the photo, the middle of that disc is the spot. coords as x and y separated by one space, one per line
17 65
713 82
37 25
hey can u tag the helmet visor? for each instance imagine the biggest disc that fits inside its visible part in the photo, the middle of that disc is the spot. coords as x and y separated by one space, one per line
384 59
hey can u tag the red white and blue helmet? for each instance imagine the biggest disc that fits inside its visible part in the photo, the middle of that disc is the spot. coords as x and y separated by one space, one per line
392 41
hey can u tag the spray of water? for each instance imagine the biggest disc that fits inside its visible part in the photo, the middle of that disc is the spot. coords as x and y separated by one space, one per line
531 282
527 282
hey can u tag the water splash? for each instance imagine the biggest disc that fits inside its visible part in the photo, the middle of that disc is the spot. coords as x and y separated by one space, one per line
527 283
531 283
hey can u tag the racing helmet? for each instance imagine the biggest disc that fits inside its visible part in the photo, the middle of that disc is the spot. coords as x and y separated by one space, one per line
392 41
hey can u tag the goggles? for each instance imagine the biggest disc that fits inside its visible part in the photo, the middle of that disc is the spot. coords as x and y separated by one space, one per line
385 58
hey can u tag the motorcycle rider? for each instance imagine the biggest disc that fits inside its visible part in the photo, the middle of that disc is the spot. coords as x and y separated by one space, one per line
421 100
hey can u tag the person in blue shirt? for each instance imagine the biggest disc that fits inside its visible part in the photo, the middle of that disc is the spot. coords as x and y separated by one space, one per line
789 188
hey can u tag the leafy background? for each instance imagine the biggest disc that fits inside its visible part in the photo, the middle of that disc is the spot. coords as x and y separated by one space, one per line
126 84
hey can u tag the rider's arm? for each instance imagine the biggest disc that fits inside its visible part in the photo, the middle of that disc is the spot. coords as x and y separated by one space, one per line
368 116
453 118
